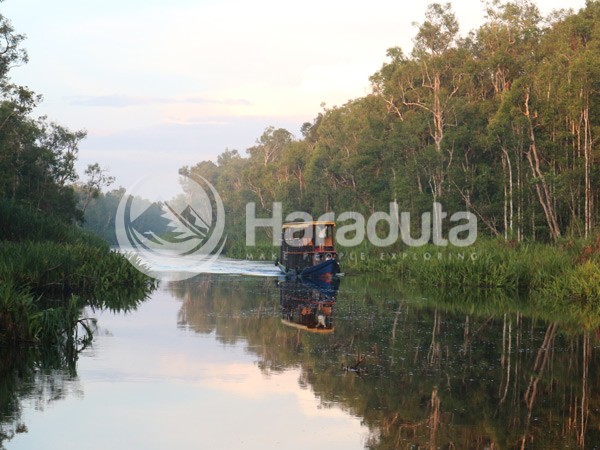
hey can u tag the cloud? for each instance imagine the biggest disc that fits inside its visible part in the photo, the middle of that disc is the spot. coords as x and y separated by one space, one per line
123 101
245 381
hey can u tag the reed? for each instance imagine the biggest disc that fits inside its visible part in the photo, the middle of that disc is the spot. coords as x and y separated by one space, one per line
488 264
50 267
50 271
17 310
560 280
575 292
44 287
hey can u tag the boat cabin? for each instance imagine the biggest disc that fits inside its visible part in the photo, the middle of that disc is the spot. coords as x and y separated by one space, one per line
306 244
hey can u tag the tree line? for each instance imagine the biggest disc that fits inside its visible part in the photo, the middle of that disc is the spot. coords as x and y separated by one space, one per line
38 155
502 122
50 269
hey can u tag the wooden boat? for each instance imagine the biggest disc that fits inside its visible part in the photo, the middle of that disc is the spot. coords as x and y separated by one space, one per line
307 250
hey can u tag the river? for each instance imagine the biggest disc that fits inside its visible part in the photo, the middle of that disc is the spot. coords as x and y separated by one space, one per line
243 359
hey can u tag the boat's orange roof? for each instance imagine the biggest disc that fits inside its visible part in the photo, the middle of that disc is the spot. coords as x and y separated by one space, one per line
306 224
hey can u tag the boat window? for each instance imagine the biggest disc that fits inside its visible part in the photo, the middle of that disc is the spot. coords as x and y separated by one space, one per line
322 231
298 236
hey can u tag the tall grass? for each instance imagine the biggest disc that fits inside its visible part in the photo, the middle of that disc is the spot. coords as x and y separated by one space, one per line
488 264
561 280
556 279
45 285
54 268
49 271
576 292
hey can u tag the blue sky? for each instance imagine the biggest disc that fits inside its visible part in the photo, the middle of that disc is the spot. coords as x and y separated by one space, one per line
159 85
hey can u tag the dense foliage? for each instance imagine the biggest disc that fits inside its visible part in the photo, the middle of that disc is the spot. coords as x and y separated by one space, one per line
503 122
50 269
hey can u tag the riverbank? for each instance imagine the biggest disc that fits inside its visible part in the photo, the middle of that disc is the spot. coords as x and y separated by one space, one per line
50 271
560 277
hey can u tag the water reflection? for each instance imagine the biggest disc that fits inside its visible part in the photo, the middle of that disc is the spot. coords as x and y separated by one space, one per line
308 304
45 374
436 370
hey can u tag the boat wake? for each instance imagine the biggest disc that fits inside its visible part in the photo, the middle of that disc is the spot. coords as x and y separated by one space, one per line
227 266
221 265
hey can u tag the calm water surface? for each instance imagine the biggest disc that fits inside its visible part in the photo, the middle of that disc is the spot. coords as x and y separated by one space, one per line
243 359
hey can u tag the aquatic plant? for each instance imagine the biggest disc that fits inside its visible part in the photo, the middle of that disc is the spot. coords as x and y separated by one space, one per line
487 264
50 271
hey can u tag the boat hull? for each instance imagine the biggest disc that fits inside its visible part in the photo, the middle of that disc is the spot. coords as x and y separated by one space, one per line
326 268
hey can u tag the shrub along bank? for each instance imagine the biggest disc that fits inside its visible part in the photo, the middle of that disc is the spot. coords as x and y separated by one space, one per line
50 270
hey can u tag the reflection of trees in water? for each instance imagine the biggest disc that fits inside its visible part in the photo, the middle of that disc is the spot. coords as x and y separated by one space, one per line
511 382
224 305
41 376
48 373
442 373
